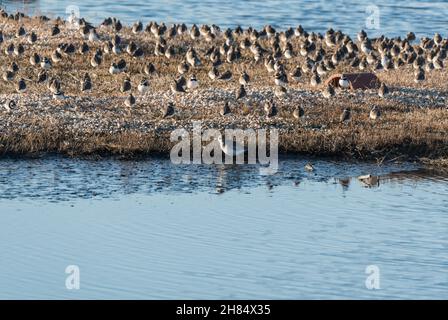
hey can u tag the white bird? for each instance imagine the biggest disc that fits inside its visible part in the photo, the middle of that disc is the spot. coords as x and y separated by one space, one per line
143 86
233 150
343 82
192 83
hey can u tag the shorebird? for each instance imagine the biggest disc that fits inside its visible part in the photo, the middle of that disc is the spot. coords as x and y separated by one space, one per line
84 48
298 113
56 56
131 47
20 32
58 95
31 38
55 30
309 167
383 90
139 53
225 109
280 92
126 85
168 110
177 86
369 180
8 75
270 109
213 73
21 86
143 86
129 101
169 52
374 113
96 60
419 76
149 69
296 73
192 83
45 63
14 67
328 92
121 65
320 69
345 116
137 27
93 36
315 80
9 50
244 79
234 149
54 86
183 68
86 83
241 93
113 69
227 75
280 79
343 82
42 76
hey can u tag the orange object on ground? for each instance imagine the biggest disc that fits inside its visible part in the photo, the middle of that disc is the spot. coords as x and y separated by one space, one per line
365 80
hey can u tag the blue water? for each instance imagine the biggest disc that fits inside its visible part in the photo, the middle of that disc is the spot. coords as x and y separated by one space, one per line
151 229
394 17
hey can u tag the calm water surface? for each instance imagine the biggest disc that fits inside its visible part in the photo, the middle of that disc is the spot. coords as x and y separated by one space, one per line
151 229
392 17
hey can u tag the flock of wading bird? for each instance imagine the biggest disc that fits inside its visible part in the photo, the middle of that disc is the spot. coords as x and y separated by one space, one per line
211 49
